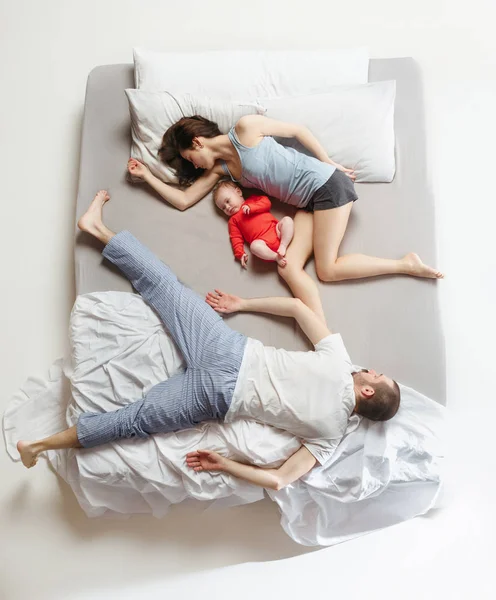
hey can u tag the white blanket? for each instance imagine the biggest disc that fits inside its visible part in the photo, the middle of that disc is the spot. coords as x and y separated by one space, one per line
381 473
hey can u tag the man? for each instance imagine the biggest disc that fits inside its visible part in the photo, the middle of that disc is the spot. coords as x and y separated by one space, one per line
230 376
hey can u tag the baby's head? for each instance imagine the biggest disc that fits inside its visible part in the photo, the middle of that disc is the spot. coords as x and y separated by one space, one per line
228 197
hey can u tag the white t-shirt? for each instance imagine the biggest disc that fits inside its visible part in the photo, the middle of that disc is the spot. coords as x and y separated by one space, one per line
309 394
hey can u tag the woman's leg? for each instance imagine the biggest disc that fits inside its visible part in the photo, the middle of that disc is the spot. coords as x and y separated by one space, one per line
329 228
193 324
300 283
285 232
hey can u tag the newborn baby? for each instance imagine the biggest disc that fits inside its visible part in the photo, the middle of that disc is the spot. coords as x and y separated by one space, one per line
250 221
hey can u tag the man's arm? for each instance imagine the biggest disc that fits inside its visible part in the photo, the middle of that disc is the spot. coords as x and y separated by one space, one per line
309 322
297 465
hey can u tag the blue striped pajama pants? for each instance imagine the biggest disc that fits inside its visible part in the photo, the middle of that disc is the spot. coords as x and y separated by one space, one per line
212 351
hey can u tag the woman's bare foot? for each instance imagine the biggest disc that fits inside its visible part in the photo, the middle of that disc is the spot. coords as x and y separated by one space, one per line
414 266
282 250
29 455
91 221
281 261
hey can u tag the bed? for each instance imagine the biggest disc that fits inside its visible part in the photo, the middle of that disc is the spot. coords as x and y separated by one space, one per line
381 474
391 324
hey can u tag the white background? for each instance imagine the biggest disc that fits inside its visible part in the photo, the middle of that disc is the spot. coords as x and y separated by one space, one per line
47 547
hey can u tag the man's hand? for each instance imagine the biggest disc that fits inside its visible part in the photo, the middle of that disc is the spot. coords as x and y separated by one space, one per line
205 460
137 169
223 303
297 465
246 209
244 261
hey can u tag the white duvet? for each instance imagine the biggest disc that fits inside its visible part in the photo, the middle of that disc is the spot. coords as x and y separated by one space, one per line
381 473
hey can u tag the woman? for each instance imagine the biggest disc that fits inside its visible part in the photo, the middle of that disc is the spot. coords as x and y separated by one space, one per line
229 376
201 155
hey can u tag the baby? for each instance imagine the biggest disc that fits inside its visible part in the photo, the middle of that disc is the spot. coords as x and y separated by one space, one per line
250 221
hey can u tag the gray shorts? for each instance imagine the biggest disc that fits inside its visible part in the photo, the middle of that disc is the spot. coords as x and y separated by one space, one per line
338 190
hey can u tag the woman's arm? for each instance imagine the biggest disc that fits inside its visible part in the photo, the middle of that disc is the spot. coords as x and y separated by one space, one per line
181 199
310 323
252 127
295 467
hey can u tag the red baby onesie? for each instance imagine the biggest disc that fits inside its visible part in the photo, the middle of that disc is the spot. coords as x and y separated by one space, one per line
259 224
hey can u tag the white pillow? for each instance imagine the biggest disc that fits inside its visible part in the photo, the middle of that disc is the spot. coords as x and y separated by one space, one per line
249 74
152 113
355 124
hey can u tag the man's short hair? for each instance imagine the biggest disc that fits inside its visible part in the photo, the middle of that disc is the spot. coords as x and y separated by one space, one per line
383 405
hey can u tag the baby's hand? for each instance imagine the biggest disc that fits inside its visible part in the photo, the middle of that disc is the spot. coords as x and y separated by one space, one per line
246 210
244 261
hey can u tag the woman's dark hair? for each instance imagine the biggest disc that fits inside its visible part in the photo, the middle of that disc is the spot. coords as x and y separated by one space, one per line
179 137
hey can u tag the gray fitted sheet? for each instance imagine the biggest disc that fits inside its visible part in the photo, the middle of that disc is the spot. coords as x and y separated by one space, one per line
391 324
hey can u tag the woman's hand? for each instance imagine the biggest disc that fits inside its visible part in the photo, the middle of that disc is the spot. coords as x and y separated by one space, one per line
348 172
205 460
244 261
223 303
137 169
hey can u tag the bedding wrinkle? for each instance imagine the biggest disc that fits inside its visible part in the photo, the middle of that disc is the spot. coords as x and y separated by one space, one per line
378 476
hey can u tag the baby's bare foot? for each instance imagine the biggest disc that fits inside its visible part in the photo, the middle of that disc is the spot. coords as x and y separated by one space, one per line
281 261
92 218
282 250
29 456
415 267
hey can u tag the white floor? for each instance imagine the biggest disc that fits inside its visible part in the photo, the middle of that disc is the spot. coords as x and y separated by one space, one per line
48 549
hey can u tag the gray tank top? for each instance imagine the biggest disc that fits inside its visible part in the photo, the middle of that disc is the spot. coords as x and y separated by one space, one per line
281 172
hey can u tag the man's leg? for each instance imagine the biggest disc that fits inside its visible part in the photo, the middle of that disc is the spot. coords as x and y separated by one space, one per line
91 221
192 323
175 404
181 402
29 451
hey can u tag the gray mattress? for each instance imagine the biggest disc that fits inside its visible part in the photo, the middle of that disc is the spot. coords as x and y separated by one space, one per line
391 324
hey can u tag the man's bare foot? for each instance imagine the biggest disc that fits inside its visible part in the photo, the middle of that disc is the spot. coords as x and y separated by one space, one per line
29 455
281 261
282 250
415 267
92 218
